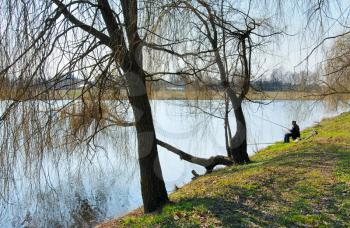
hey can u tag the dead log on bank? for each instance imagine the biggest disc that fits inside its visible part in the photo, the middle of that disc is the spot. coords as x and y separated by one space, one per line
207 163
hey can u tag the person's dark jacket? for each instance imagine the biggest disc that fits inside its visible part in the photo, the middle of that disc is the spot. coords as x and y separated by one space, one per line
295 132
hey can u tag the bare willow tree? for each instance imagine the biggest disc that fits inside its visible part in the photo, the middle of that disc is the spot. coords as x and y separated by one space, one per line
234 76
336 84
335 76
217 47
328 23
101 42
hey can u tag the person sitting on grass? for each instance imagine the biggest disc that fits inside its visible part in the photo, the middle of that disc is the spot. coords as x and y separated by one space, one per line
294 132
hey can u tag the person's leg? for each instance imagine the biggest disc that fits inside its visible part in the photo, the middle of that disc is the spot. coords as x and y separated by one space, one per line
286 138
295 137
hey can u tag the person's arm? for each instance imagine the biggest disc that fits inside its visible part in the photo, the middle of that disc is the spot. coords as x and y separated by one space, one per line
293 130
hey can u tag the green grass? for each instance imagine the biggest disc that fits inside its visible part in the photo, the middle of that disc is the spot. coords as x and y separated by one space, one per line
297 184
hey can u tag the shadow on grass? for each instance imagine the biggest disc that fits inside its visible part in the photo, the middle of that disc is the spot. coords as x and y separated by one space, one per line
234 213
307 186
310 206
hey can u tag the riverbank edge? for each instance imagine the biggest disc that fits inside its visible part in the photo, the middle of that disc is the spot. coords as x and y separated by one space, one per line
297 184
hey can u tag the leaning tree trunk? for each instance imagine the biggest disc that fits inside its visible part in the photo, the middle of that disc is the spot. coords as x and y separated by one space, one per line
153 189
208 163
238 148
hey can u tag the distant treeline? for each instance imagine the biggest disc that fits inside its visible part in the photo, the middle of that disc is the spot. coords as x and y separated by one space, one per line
281 80
276 85
278 80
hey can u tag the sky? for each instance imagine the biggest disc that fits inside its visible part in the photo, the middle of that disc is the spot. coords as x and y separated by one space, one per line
291 50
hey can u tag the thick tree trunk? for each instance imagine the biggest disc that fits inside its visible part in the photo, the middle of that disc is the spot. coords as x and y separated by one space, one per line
153 189
238 144
238 149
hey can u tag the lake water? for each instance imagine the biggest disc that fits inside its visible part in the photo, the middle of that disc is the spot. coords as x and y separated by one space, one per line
105 184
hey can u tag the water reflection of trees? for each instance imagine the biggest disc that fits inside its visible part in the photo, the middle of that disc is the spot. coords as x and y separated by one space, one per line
63 181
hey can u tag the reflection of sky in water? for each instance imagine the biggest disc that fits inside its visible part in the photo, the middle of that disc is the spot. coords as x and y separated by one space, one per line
110 183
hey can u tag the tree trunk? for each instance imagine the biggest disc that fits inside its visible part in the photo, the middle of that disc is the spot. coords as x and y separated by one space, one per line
208 163
238 149
238 144
153 189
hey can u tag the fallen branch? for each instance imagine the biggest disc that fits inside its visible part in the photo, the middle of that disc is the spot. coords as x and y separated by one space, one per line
207 163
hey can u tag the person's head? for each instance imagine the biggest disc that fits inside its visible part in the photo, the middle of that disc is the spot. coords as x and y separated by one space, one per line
294 122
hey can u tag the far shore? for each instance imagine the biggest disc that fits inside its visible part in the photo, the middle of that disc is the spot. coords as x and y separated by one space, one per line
208 95
166 95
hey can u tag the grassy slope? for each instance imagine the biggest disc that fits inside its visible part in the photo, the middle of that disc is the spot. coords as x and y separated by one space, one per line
296 184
